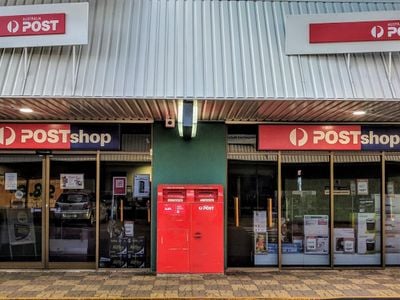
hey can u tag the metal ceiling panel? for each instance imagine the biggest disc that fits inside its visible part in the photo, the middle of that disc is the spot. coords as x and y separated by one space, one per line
203 49
236 111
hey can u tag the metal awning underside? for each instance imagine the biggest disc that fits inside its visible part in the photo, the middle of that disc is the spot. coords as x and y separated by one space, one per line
200 49
130 110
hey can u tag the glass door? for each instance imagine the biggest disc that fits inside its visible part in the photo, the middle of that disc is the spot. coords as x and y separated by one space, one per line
357 210
21 207
72 211
305 213
252 215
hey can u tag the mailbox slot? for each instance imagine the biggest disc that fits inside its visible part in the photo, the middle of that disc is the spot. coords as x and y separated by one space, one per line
174 195
205 195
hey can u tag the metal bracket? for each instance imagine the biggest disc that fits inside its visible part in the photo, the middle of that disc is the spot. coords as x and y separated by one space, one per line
74 67
349 73
390 67
348 61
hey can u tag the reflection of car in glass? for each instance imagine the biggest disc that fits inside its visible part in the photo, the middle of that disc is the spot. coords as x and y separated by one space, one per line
78 206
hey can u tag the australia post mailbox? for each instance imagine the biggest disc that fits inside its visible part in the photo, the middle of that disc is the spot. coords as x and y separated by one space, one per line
190 229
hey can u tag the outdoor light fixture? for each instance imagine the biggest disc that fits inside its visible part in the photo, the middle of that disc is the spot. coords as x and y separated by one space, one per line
187 118
25 110
359 113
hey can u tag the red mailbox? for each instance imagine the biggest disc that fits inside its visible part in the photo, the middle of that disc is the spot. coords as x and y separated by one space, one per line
190 222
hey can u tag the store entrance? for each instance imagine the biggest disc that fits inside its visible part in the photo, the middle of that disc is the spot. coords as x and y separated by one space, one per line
72 211
252 214
21 210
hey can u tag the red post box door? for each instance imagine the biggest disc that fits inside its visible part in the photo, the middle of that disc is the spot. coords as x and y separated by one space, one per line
173 251
206 241
173 238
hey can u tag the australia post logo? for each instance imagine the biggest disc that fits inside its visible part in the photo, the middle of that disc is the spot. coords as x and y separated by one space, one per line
288 137
363 31
36 24
59 136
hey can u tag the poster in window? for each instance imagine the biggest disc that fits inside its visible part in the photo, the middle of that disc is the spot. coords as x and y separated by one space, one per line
261 243
10 181
344 241
119 185
260 221
141 186
20 226
362 187
72 181
316 234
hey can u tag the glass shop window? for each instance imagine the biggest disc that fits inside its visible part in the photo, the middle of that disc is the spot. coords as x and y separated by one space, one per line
357 198
305 214
125 234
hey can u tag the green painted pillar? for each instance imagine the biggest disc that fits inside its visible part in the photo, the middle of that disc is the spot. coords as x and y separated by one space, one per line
201 160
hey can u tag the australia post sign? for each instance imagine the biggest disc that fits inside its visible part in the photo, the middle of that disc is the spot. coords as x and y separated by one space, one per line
59 137
376 31
343 137
44 25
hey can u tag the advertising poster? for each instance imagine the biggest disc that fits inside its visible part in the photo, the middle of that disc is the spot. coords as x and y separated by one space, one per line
260 221
392 225
367 226
362 187
141 186
344 241
390 187
316 234
72 181
20 226
392 204
10 181
119 186
260 232
261 243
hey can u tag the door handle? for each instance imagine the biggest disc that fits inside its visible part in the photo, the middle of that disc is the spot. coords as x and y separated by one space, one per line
197 235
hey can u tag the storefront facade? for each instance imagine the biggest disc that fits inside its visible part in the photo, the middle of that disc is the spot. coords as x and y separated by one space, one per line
133 69
331 206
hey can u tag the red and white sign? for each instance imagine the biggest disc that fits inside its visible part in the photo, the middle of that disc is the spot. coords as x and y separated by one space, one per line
37 24
358 32
306 137
119 186
35 136
58 136
355 32
44 25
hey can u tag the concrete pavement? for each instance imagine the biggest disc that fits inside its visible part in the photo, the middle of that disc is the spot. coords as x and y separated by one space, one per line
295 284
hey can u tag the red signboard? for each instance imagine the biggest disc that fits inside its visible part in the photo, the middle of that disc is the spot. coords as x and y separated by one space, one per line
306 137
367 31
35 136
119 186
35 24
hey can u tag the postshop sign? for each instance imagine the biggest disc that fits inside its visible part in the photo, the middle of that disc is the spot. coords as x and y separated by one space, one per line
59 136
330 137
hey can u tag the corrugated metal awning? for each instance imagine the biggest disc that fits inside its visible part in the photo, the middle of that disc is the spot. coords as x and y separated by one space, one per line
357 157
305 157
126 156
203 49
5 158
249 153
73 157
392 156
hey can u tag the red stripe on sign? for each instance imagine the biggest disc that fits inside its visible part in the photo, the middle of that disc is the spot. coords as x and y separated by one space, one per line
35 136
369 31
37 24
309 137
